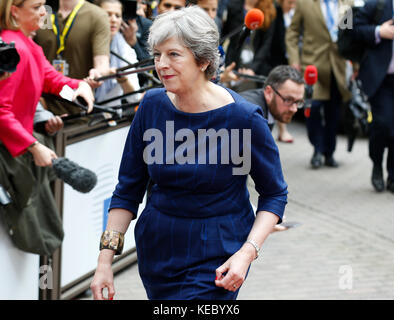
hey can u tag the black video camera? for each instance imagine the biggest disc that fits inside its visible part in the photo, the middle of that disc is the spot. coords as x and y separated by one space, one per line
9 57
129 9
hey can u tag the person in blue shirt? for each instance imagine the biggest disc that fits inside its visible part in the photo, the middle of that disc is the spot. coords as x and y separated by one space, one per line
112 88
198 142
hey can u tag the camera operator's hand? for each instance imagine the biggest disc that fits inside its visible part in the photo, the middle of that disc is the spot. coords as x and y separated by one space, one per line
93 74
228 75
5 75
85 91
54 124
42 155
129 31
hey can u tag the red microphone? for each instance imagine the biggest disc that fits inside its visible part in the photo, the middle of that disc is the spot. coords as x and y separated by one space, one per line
254 19
310 77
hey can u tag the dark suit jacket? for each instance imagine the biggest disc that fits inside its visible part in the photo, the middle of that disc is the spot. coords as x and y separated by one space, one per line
374 67
256 96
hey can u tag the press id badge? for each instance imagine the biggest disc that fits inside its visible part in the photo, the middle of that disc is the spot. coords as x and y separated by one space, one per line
61 66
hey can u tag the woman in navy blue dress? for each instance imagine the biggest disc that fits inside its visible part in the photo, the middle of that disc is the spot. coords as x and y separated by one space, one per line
197 142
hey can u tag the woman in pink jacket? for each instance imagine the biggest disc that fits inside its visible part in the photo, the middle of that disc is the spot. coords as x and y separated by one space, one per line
20 93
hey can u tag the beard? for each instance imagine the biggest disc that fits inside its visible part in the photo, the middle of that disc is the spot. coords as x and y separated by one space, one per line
284 116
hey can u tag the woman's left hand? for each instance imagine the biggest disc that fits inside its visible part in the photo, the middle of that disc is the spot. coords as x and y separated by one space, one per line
235 268
84 90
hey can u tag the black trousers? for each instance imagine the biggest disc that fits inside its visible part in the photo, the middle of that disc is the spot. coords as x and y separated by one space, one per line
322 125
382 127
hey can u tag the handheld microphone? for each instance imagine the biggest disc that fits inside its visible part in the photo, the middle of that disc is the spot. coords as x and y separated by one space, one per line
79 178
254 19
310 77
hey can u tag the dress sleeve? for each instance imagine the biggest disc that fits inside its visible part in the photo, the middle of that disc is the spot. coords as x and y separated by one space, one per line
266 170
133 173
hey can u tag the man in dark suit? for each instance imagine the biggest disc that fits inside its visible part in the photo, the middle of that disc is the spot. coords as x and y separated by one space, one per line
281 95
377 76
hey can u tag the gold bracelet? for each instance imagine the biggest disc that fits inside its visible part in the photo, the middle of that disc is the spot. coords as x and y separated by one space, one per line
113 240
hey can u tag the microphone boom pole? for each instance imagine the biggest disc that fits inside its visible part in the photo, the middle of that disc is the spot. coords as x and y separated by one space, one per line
117 75
255 78
137 64
231 34
121 58
128 94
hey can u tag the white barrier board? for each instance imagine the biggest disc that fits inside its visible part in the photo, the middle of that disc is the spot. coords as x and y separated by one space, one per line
19 271
85 214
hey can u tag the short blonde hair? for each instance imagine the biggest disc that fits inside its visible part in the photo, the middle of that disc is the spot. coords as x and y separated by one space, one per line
7 21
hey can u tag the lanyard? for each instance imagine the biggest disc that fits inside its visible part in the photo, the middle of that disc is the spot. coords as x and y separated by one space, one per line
55 24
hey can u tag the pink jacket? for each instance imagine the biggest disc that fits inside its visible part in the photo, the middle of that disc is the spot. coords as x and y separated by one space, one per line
20 93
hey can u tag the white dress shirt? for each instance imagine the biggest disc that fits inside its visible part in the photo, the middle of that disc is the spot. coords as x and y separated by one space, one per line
333 5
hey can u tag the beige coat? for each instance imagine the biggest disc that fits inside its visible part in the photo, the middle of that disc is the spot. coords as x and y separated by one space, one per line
317 47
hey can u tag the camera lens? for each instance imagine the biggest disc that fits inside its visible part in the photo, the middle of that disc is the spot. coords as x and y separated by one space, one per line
9 59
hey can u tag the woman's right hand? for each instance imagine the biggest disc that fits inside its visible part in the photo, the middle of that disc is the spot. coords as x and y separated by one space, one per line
42 155
103 278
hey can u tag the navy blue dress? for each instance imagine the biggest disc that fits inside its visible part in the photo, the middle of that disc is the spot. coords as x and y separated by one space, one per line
199 213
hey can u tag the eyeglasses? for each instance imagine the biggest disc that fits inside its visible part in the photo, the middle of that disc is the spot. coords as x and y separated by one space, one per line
290 101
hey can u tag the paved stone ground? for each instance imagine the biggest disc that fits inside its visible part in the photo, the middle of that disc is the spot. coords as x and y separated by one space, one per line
344 247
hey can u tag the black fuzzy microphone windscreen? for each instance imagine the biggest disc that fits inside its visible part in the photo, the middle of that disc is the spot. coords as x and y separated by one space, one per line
79 178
